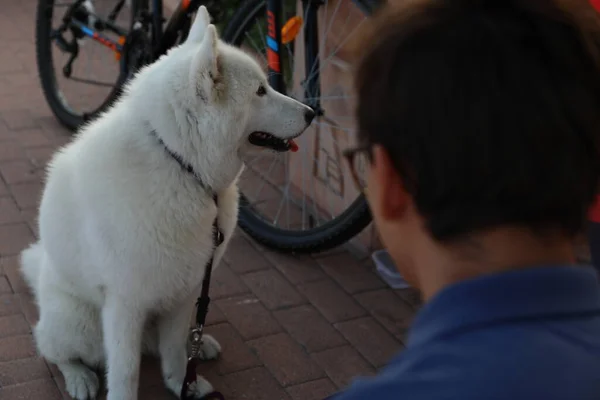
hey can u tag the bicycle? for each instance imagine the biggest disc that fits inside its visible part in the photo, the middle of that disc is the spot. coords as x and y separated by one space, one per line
309 228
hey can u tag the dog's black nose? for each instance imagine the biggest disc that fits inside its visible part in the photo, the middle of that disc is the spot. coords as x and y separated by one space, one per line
309 115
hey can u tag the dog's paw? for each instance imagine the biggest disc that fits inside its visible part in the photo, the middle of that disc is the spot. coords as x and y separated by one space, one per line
81 382
209 349
200 388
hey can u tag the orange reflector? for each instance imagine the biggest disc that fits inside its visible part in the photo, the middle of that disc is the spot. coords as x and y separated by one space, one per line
291 29
121 41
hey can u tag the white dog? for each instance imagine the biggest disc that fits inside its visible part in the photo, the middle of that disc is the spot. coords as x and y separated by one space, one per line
127 212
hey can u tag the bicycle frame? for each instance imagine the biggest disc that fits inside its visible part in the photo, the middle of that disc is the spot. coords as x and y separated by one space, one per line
70 21
274 45
116 46
311 43
162 40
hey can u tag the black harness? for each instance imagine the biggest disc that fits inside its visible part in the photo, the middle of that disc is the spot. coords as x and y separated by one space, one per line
204 299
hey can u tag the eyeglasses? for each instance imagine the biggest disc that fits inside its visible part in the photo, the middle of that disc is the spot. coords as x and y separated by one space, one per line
358 159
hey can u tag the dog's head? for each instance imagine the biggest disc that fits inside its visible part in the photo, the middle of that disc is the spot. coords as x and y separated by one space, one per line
229 94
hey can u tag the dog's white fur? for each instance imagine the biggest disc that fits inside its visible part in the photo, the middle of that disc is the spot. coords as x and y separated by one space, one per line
125 233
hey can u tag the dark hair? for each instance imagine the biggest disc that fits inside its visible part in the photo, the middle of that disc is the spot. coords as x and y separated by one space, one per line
490 110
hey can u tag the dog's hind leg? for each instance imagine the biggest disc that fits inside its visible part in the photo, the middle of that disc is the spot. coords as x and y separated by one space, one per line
123 327
68 334
172 333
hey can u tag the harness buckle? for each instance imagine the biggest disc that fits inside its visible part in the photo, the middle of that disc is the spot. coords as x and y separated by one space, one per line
195 338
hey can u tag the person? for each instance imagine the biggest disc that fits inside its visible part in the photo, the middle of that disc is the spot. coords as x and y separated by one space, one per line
479 122
594 214
594 234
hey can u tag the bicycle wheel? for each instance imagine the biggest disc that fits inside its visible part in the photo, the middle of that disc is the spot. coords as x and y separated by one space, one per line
73 95
294 214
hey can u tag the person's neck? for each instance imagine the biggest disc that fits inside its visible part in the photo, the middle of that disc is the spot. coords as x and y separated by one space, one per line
505 249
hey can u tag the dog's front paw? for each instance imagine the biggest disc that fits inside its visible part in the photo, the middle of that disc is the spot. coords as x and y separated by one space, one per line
200 388
209 349
81 382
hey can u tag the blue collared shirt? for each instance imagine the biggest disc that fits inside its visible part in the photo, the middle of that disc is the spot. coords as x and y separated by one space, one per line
532 334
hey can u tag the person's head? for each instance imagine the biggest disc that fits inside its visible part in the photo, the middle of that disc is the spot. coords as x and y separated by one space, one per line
479 115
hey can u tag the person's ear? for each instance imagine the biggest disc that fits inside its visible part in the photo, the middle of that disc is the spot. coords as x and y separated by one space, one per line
386 186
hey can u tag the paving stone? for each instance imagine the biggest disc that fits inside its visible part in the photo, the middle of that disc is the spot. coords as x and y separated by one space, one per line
16 347
13 325
42 389
40 156
343 364
5 286
214 316
313 390
411 296
252 384
6 134
9 212
225 283
156 392
236 355
27 195
297 269
9 305
29 307
32 138
242 257
19 371
331 301
19 171
3 188
11 150
285 359
272 289
249 317
352 275
389 309
309 328
14 238
18 119
370 339
11 266
52 127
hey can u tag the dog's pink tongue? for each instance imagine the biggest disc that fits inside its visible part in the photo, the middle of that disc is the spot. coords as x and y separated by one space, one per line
293 146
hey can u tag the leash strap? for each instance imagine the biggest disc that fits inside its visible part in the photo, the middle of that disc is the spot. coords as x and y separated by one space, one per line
201 310
204 299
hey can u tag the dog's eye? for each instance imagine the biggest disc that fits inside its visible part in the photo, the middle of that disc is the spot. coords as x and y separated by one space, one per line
261 91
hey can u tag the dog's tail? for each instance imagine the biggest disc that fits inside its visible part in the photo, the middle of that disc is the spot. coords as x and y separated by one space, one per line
31 262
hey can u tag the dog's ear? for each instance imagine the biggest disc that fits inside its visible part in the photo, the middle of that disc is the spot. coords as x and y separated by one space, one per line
205 66
198 29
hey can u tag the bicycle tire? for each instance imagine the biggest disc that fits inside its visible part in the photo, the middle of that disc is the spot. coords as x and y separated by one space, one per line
324 237
46 72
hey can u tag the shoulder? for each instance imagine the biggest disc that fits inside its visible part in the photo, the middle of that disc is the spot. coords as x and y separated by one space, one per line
489 365
432 372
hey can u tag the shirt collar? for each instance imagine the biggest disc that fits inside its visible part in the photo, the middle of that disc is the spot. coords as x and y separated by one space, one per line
540 292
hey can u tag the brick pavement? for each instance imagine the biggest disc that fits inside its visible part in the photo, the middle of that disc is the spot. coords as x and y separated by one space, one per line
291 327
